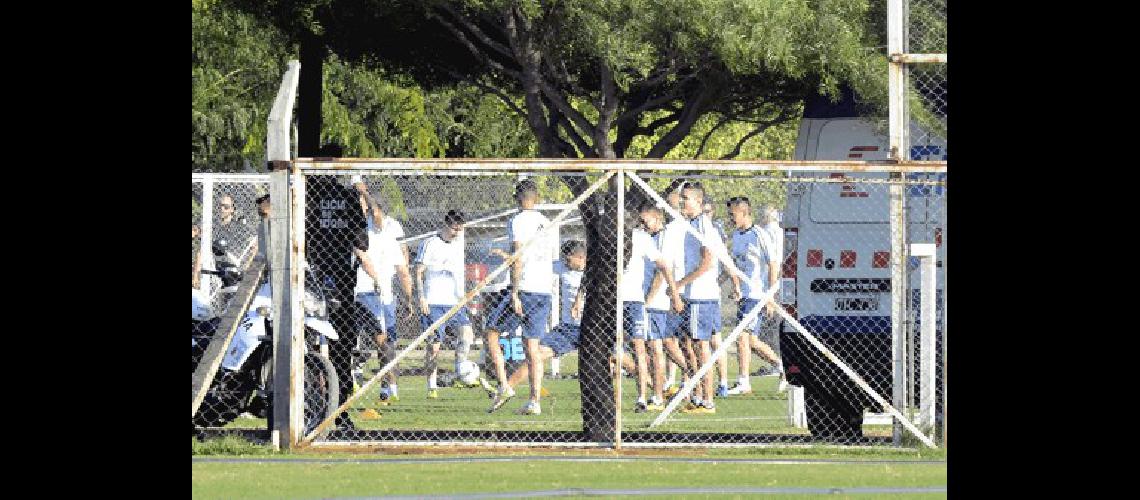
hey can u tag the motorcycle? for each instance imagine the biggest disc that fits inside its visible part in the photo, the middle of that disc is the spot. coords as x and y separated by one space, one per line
244 382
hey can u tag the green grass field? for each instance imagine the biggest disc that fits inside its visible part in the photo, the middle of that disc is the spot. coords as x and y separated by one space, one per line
763 411
351 476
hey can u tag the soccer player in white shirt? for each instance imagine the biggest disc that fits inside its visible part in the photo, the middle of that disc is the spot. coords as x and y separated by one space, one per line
640 285
441 259
387 259
566 336
753 252
532 279
701 291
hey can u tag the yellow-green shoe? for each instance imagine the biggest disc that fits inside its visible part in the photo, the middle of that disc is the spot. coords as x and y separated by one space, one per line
433 394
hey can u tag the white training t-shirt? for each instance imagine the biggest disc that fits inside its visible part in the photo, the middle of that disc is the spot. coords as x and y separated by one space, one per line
537 274
568 282
443 276
706 286
392 227
750 252
642 258
668 241
385 253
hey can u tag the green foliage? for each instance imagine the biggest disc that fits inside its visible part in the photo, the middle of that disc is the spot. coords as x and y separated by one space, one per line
237 62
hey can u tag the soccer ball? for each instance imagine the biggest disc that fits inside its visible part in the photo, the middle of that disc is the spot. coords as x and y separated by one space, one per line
468 372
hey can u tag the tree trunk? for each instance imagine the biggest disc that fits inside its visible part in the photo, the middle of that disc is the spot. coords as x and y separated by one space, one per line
598 317
309 93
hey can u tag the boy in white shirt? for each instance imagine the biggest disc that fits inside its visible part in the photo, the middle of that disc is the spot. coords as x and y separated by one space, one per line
532 279
441 259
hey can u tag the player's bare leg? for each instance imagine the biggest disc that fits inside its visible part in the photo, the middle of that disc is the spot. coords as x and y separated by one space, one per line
657 354
491 344
534 364
642 369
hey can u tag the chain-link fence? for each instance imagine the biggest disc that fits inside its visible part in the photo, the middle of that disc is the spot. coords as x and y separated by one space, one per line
925 37
447 291
226 237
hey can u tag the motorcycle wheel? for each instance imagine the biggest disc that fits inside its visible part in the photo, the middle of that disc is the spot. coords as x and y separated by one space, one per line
322 390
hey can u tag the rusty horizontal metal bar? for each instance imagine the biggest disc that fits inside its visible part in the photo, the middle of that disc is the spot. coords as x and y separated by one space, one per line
599 165
918 58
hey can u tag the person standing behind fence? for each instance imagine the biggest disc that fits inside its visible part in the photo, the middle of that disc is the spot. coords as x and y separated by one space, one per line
664 316
645 263
701 291
439 270
376 294
753 253
231 228
532 279
335 232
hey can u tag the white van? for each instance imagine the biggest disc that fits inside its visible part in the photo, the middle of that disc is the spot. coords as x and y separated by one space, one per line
836 272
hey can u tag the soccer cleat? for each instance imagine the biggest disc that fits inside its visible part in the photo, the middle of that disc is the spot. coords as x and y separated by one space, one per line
652 406
783 384
369 414
671 391
739 389
433 394
501 399
530 408
640 408
721 391
705 410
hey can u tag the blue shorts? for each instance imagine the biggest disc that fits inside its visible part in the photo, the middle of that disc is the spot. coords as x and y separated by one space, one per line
745 306
662 324
435 312
536 314
381 316
701 318
563 339
636 321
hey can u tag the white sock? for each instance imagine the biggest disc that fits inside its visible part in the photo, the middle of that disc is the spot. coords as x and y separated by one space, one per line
393 390
742 380
431 380
654 399
462 349
641 400
672 380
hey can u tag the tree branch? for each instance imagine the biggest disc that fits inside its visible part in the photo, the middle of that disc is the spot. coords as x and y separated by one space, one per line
472 48
689 114
785 115
478 32
723 120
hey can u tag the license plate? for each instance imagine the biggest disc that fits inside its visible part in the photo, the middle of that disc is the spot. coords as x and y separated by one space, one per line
857 304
